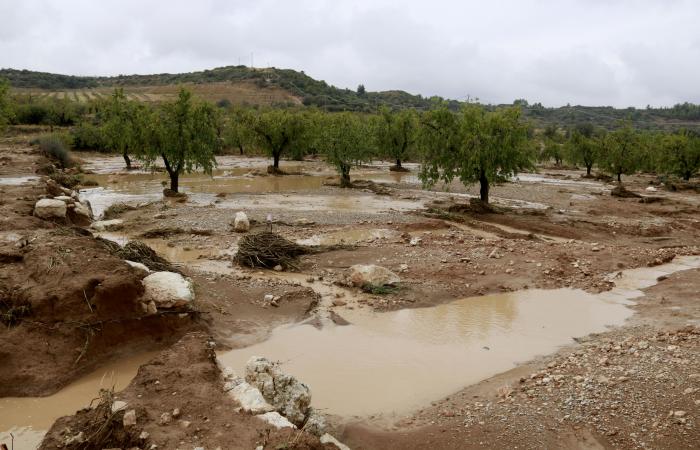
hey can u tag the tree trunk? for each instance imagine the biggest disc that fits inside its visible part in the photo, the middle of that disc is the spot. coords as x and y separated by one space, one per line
174 176
127 160
588 169
398 163
619 177
240 148
276 160
345 177
484 187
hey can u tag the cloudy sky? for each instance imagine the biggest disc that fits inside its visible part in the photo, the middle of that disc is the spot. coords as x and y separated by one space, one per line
590 52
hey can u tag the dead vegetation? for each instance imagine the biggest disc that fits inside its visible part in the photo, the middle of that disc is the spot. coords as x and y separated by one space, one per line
268 249
139 252
117 209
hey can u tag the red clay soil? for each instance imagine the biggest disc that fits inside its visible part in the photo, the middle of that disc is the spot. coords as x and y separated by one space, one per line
185 378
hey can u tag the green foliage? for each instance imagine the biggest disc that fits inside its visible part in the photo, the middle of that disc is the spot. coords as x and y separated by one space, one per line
6 110
183 133
620 151
88 136
54 146
237 132
474 145
681 154
583 146
345 140
279 130
552 145
396 134
119 130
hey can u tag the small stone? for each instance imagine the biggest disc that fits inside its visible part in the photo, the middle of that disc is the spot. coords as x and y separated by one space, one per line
129 418
144 435
176 413
339 302
118 405
268 298
278 268
679 413
185 423
165 419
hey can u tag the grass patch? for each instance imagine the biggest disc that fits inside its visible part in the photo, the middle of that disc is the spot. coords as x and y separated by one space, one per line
54 147
379 289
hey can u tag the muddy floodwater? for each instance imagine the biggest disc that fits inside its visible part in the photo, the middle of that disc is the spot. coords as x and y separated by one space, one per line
395 362
29 418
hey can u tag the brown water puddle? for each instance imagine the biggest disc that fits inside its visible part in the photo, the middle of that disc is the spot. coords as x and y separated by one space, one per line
395 362
29 418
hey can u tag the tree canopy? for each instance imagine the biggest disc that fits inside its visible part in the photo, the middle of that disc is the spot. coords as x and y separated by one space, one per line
396 134
345 140
5 105
681 154
474 146
277 131
619 151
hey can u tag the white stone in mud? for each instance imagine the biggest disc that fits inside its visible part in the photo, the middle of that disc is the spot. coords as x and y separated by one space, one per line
168 289
241 222
361 275
289 396
276 420
64 198
315 423
138 265
328 439
250 399
107 225
83 209
48 208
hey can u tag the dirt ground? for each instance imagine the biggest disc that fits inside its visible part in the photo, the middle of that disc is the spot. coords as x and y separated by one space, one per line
635 386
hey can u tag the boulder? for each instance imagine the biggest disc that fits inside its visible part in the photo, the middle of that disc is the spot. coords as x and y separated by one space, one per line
362 275
289 396
107 225
276 420
138 265
168 290
315 423
328 439
241 222
48 208
250 399
80 213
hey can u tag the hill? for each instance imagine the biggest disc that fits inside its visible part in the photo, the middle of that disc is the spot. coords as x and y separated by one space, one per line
285 87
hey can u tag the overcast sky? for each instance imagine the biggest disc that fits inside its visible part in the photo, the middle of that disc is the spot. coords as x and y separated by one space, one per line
590 52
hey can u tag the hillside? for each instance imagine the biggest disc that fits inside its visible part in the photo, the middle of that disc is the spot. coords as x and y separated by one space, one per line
284 87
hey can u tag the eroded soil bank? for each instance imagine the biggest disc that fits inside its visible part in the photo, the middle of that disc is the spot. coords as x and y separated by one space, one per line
632 386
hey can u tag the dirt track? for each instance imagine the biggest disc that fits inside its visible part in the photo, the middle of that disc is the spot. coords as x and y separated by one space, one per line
623 398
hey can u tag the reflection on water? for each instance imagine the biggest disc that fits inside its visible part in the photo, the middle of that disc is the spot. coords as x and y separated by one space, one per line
397 361
29 418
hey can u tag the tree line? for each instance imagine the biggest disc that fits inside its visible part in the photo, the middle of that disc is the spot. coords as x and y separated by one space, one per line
473 145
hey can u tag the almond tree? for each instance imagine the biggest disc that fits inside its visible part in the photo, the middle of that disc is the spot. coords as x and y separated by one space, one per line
396 134
619 152
344 139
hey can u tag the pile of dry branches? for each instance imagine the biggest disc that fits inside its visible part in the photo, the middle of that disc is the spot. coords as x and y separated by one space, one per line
139 252
268 250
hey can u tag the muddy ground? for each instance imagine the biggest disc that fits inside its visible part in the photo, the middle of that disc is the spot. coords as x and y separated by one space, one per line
634 386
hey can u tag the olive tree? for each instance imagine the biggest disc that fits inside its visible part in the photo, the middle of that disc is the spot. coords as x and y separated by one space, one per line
474 146
183 133
681 154
277 131
396 134
619 154
5 105
345 140
119 127
583 146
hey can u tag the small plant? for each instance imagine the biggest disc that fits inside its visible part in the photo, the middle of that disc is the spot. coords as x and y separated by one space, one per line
379 289
53 147
13 307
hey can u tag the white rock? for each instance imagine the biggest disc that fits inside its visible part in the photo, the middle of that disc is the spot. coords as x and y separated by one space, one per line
361 275
138 265
118 405
83 209
241 223
415 241
48 208
63 198
129 418
651 189
268 298
106 225
288 396
168 289
276 420
328 439
250 399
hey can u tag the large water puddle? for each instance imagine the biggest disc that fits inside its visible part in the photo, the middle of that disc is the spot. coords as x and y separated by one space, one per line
28 419
395 362
17 181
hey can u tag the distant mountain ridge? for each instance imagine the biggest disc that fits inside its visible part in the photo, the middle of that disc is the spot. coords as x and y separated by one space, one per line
312 92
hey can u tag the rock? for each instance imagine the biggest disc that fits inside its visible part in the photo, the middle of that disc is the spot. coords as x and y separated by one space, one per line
129 418
339 302
138 265
165 419
144 435
176 413
621 191
415 241
240 222
361 275
315 423
679 413
651 189
107 225
278 268
276 420
118 405
80 213
47 208
288 396
328 439
250 399
168 290
268 298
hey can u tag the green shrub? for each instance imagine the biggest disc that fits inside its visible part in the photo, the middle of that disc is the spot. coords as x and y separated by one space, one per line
87 136
55 147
